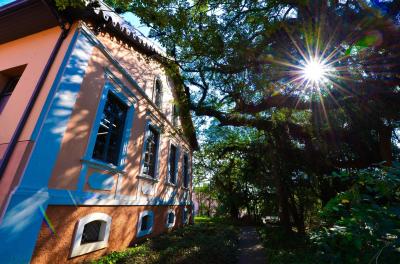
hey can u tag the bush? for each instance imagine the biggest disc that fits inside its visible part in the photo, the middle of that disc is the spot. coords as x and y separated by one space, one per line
210 241
362 225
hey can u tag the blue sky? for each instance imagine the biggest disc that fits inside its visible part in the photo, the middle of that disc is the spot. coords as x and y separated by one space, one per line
4 2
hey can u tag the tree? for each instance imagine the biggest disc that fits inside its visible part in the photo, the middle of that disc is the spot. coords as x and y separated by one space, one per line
247 64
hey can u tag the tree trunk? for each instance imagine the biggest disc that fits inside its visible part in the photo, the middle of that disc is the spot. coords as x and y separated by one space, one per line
385 144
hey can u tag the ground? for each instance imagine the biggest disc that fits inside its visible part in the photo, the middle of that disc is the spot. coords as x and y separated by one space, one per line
207 241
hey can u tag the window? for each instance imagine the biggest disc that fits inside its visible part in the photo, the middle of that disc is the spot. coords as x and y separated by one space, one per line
150 153
174 115
170 218
91 234
185 171
157 93
172 164
8 81
109 136
145 223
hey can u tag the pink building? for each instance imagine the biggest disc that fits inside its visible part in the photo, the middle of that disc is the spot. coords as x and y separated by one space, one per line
94 152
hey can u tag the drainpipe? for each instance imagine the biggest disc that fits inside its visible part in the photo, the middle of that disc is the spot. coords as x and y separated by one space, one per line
21 124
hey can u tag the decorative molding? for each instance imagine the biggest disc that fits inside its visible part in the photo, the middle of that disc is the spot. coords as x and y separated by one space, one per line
99 181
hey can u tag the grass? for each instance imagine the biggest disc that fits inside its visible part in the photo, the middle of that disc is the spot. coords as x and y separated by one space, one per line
209 240
286 249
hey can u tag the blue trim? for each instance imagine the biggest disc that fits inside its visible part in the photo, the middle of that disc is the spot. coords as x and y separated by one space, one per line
99 181
23 217
50 96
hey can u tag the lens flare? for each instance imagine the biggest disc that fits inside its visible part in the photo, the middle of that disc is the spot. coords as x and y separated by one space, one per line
314 70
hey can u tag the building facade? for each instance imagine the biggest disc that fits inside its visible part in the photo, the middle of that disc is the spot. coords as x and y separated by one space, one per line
94 156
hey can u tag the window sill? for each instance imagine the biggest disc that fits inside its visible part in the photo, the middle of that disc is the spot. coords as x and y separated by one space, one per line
148 178
103 166
143 233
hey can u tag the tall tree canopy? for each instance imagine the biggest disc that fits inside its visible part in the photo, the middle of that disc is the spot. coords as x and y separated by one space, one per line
244 62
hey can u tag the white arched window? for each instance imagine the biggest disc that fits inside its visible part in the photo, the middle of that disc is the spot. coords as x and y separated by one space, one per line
91 234
170 218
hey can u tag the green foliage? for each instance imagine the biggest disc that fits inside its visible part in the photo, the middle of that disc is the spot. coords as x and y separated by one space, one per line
362 224
284 248
208 241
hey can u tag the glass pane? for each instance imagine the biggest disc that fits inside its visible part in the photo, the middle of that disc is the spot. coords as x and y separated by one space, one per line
145 223
172 164
185 171
158 93
91 232
109 137
171 217
150 153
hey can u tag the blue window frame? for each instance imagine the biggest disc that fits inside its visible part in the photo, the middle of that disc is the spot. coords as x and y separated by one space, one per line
173 163
111 129
110 133
150 155
185 168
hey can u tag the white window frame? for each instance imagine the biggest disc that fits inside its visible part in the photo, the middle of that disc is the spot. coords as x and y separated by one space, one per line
168 224
77 249
148 231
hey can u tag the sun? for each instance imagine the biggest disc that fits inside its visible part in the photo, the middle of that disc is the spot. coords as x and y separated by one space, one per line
315 71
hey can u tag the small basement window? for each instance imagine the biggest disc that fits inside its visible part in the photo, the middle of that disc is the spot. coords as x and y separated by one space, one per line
145 223
91 234
170 218
8 81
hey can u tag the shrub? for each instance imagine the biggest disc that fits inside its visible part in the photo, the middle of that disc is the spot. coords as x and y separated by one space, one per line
362 224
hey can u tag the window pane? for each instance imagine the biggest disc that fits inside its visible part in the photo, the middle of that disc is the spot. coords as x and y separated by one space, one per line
150 153
145 223
158 93
171 217
185 170
91 232
174 115
109 137
172 164
6 91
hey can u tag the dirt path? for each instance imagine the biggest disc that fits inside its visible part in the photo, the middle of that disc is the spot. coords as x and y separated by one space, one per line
251 250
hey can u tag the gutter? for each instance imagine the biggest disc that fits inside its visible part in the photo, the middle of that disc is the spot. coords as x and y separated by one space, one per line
21 124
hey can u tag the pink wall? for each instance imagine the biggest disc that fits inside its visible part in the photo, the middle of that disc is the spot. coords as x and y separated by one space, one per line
34 51
69 165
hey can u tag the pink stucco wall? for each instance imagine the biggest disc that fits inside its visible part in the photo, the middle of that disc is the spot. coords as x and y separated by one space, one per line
32 51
